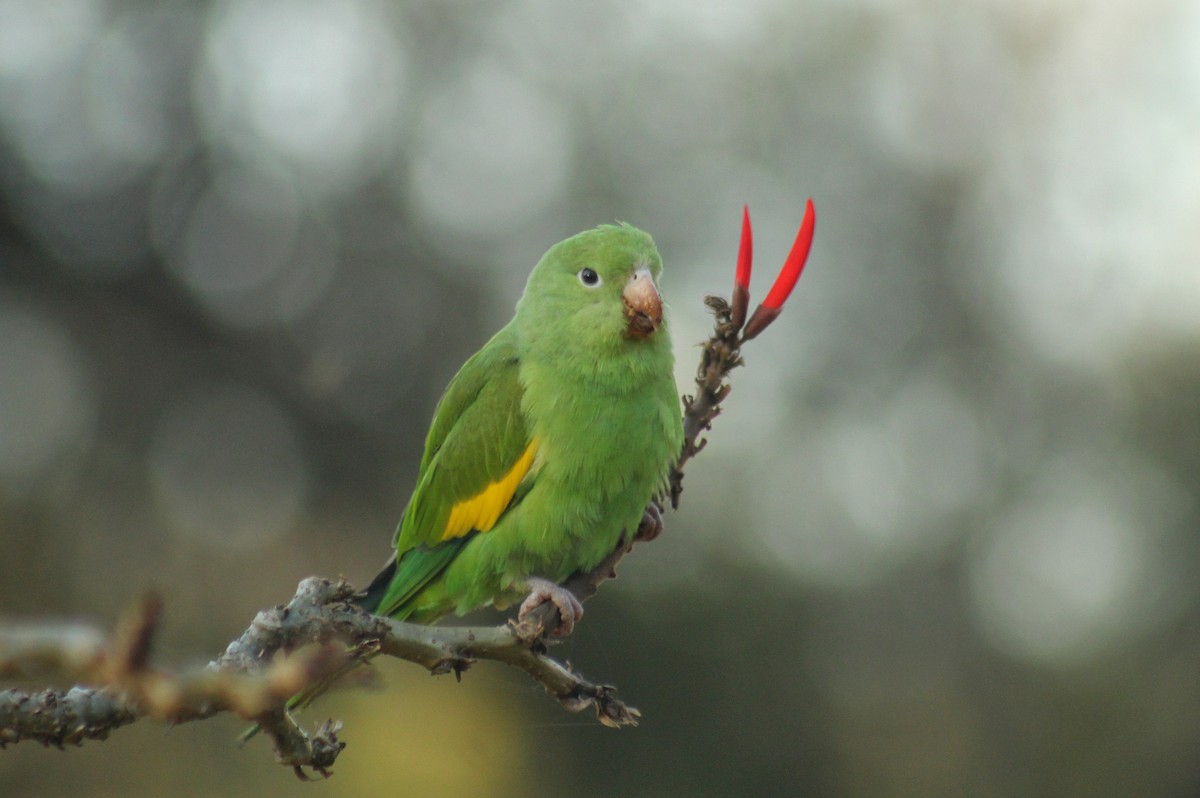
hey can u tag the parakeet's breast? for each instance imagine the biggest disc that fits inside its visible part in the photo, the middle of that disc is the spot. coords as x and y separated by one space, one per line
602 453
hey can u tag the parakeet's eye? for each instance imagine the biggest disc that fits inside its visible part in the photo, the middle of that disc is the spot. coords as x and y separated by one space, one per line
589 277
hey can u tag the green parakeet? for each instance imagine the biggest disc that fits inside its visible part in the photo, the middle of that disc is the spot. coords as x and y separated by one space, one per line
549 442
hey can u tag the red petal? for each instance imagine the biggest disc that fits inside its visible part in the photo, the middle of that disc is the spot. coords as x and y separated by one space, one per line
745 251
794 264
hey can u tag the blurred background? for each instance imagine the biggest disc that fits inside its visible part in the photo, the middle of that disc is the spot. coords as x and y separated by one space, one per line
943 541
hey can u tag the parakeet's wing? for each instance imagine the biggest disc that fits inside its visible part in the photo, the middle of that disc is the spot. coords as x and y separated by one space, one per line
478 461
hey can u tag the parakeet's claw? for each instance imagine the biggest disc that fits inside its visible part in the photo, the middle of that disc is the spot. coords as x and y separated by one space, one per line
543 590
652 523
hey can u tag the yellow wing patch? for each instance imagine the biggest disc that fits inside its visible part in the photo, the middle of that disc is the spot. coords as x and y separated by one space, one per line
483 510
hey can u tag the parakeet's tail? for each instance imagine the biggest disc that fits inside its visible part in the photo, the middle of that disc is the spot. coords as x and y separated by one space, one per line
372 597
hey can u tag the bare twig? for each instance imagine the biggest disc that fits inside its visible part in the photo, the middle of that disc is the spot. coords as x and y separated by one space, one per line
721 354
322 627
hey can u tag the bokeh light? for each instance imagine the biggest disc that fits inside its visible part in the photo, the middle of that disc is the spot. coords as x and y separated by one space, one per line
492 151
318 83
1098 190
246 247
1081 565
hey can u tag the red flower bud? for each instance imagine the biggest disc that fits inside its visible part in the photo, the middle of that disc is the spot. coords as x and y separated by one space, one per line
745 251
794 264
771 307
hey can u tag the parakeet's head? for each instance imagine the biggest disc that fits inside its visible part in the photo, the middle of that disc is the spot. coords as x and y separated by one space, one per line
596 293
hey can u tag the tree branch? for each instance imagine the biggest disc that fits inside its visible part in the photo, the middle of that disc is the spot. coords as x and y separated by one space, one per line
721 354
320 629
318 634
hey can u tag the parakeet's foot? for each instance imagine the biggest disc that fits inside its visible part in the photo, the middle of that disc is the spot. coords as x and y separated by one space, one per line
652 523
543 590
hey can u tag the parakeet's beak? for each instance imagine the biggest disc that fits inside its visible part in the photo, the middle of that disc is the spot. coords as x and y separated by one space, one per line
643 305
